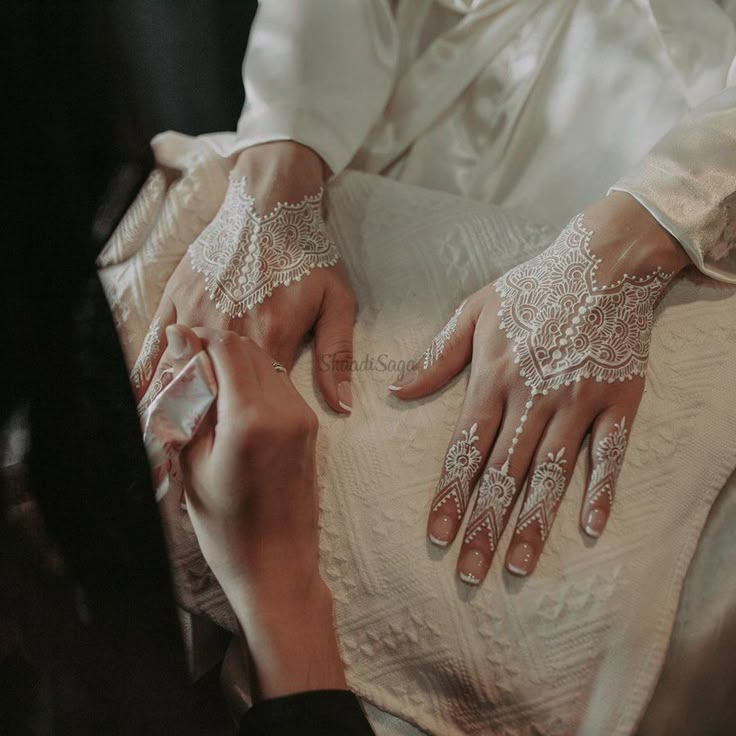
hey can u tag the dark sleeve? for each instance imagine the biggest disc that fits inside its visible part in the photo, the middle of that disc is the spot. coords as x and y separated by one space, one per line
315 713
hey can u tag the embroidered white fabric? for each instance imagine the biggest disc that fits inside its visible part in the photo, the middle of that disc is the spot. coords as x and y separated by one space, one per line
577 647
244 256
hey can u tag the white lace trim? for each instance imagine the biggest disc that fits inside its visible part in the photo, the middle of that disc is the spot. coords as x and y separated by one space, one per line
244 256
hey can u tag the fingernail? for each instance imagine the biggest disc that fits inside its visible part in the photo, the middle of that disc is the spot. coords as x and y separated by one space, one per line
521 559
178 345
403 380
472 567
345 396
441 530
596 523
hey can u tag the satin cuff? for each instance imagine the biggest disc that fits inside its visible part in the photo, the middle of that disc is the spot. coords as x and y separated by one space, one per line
688 184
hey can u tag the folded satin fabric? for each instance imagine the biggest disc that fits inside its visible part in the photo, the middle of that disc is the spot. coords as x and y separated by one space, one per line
576 648
533 104
174 416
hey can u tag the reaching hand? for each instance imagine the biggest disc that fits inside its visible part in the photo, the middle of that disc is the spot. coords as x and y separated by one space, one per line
559 349
266 268
251 496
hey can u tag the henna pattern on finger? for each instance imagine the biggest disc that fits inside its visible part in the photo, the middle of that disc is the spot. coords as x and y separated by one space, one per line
461 464
546 488
434 351
609 458
566 327
495 496
244 256
147 359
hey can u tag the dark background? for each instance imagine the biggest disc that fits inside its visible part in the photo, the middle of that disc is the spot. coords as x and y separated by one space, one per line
94 648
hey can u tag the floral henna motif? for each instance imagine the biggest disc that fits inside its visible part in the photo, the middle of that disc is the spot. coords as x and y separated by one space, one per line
244 256
150 350
545 492
433 352
495 496
461 464
609 458
565 326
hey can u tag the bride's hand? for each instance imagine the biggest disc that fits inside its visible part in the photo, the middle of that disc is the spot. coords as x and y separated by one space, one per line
559 348
266 268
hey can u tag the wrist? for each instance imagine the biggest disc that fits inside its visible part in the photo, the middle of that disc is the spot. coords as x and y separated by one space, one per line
290 635
272 161
630 240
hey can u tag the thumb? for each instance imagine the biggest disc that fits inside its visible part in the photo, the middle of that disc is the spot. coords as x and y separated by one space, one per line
446 356
333 348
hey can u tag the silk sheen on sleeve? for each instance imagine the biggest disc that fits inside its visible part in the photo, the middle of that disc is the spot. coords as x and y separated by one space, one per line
688 184
318 72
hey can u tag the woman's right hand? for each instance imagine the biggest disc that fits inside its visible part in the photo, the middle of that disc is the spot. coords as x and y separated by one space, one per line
265 268
252 499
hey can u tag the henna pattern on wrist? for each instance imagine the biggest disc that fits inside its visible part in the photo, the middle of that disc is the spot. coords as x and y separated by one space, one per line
566 327
244 256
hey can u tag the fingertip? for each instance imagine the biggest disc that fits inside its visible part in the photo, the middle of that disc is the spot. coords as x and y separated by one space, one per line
472 566
345 397
441 529
595 522
521 559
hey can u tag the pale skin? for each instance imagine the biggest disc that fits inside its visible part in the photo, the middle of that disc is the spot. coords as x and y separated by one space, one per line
630 241
626 236
252 500
321 303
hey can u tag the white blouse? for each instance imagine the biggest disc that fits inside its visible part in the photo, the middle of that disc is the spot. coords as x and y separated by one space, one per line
542 105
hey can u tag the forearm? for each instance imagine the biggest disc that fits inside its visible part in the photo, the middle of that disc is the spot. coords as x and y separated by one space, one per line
290 634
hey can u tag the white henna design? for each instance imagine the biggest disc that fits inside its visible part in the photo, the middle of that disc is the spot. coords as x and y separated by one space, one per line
566 327
148 357
495 496
545 492
433 352
609 458
461 464
244 256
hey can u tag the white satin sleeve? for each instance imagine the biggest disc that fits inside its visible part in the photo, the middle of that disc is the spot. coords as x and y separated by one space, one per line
318 72
688 183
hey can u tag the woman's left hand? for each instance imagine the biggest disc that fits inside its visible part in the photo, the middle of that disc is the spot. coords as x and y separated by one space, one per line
559 348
